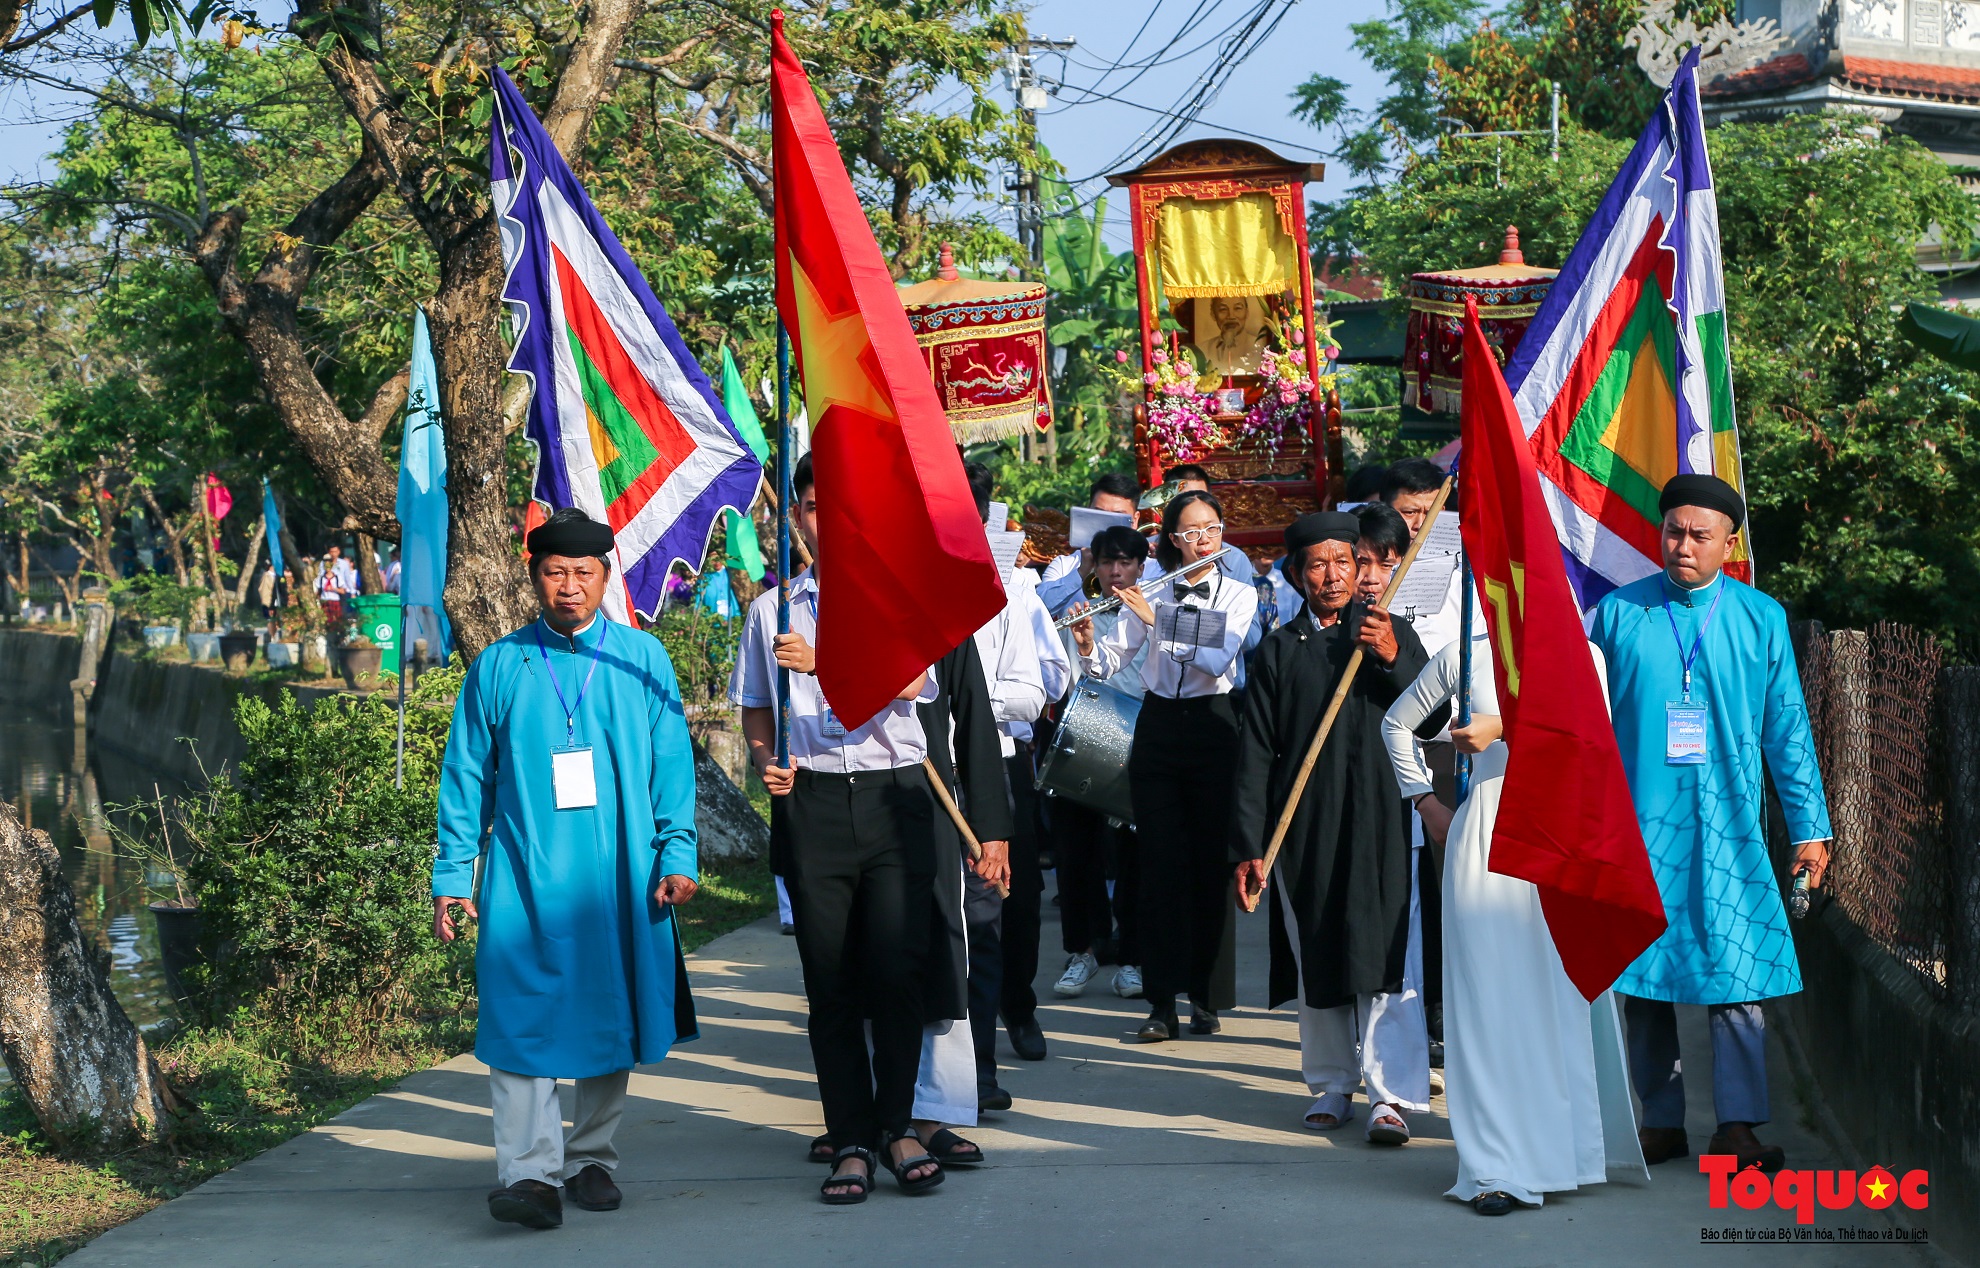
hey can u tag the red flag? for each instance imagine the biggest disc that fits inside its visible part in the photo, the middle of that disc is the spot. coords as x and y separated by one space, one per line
219 498
1566 821
904 568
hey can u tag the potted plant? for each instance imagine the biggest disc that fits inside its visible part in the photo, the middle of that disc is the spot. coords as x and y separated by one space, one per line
177 917
360 658
237 650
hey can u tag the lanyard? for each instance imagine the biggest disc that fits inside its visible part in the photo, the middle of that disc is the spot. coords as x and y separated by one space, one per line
570 709
1697 641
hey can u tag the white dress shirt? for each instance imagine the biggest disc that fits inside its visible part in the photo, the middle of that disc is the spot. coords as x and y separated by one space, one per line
1054 661
893 738
1010 666
1178 669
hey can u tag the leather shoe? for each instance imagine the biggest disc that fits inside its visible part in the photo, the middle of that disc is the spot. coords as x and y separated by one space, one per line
1203 1021
991 1099
592 1189
1661 1144
1493 1203
530 1203
1027 1039
1738 1140
1159 1028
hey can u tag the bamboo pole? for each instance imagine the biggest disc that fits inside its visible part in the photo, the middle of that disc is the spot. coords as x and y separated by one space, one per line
956 816
1250 899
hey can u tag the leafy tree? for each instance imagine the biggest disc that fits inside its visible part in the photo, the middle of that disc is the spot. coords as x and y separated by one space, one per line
364 139
1095 333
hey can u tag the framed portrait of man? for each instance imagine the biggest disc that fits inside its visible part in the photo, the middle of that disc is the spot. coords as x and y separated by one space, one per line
1230 332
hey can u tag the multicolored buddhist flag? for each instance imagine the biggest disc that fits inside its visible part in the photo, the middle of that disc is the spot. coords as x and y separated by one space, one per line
904 571
627 427
1624 377
1566 822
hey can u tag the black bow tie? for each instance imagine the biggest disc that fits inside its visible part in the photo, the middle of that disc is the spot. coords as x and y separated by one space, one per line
1201 590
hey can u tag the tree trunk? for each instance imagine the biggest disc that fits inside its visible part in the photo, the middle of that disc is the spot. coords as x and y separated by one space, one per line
72 1051
245 584
370 579
487 594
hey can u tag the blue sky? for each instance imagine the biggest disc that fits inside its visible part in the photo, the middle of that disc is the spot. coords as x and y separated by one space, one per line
1311 39
1084 133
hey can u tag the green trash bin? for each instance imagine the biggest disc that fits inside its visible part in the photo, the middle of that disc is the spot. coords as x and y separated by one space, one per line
378 620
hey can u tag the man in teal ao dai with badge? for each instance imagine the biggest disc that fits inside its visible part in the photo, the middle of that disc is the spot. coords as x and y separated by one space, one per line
1703 685
569 776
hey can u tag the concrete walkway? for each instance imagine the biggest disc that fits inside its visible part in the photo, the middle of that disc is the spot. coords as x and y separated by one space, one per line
1192 1151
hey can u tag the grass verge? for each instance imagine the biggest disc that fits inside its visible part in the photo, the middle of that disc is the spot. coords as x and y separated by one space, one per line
246 1098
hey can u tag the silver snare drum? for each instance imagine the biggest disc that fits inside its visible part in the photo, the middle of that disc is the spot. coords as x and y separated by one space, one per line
1088 761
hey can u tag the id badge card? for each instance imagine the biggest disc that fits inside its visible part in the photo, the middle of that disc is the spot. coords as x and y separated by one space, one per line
831 726
574 778
1684 734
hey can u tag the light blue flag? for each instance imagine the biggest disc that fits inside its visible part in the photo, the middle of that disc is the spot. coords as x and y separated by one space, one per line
273 519
422 506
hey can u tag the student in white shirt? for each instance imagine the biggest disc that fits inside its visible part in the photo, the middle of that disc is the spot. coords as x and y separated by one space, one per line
1083 841
1183 763
862 849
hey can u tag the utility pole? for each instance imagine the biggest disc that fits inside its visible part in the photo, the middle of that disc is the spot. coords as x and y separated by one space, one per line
1031 98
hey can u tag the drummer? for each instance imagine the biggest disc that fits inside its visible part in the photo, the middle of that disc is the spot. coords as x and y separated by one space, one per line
1089 849
1180 773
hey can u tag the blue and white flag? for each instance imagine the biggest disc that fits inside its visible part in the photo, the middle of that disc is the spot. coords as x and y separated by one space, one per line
627 427
422 507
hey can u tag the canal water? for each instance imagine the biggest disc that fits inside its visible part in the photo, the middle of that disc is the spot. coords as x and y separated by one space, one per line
72 791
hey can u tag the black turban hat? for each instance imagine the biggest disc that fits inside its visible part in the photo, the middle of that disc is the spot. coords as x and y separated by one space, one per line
1310 530
1708 491
572 535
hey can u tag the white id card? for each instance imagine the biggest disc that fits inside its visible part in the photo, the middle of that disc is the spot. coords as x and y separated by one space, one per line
574 778
831 726
1684 734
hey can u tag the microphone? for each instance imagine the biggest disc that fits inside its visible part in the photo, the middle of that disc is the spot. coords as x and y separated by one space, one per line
1798 896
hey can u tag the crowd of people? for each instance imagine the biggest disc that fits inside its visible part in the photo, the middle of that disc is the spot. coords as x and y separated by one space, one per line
912 849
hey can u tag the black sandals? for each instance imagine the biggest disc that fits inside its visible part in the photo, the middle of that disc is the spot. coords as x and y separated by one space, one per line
857 1186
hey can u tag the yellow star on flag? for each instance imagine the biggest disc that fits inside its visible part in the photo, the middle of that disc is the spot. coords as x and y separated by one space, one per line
834 356
1877 1190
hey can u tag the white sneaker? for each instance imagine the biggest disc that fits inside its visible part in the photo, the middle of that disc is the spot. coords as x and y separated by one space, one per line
1127 982
1079 971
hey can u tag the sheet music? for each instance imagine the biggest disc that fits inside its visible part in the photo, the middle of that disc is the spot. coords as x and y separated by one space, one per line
1424 590
1190 626
1004 549
998 515
1086 522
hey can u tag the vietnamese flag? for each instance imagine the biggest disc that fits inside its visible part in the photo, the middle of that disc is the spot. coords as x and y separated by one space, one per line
904 569
1566 822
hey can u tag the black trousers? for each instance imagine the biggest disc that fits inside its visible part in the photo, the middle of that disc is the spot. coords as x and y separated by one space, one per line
1088 849
983 912
862 877
1021 909
1181 777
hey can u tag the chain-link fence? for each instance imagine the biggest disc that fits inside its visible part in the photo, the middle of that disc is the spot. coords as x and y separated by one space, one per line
1898 736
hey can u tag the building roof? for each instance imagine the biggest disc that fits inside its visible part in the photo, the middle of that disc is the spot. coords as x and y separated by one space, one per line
1912 79
1931 81
1780 72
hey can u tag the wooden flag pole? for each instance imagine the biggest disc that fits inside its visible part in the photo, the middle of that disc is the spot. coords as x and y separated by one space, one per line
1250 898
956 817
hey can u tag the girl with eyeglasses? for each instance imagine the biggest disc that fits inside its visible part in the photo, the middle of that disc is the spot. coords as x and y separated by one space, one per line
1180 773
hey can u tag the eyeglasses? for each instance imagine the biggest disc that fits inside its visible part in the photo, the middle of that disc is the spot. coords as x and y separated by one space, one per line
1195 535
